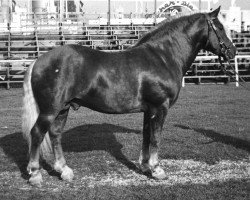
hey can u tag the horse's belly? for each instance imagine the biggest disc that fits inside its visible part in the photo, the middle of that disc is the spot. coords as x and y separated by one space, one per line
111 102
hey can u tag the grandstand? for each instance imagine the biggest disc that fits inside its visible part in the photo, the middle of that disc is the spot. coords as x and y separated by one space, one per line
38 32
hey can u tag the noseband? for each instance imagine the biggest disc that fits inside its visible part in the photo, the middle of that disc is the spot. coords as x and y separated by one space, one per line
224 48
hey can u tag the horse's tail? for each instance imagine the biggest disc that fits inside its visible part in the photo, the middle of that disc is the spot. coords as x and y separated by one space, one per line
31 113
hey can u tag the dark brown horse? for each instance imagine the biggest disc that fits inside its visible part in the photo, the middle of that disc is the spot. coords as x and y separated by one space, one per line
146 78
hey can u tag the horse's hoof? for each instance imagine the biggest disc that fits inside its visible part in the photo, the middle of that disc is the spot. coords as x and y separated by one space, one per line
36 179
158 173
67 174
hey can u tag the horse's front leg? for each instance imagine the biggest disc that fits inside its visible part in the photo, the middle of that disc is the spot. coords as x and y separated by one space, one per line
152 128
56 135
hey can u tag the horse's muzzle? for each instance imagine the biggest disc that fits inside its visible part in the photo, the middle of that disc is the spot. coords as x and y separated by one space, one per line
229 53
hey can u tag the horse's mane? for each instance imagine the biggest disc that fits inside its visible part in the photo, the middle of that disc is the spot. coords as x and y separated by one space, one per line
168 27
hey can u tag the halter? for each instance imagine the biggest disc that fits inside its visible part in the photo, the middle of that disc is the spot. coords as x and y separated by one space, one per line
226 54
224 48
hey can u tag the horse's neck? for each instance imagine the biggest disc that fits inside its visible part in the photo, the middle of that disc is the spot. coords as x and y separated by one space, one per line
183 46
186 51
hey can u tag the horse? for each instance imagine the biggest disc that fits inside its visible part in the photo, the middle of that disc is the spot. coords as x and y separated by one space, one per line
145 78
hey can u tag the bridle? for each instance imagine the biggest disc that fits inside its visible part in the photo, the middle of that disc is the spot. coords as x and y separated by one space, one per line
224 48
226 53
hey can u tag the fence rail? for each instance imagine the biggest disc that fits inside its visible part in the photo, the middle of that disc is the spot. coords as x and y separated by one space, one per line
243 73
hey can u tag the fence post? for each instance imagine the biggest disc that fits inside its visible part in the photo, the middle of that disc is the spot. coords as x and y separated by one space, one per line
183 82
236 71
8 76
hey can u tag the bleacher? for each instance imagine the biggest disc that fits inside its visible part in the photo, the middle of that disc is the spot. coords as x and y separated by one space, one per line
19 47
206 68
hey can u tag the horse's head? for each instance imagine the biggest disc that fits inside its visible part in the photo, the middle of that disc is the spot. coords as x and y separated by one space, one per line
218 42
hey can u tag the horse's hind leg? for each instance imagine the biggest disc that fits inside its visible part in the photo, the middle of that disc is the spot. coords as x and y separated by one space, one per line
152 128
56 135
37 135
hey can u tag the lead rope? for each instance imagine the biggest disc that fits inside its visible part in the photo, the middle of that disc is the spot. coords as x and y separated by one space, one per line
232 73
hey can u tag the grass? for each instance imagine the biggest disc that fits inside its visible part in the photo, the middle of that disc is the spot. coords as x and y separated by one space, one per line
205 150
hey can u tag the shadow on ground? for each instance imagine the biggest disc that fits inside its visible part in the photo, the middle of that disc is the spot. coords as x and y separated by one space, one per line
218 137
92 137
15 148
79 139
98 137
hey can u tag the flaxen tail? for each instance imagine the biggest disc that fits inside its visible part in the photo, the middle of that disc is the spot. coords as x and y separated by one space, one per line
31 113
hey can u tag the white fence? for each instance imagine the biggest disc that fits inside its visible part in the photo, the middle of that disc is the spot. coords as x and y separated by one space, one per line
235 64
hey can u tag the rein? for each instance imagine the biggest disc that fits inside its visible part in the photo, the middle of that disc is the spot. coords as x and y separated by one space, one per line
226 55
232 73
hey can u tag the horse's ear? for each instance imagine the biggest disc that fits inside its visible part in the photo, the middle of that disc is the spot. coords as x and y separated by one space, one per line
215 13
